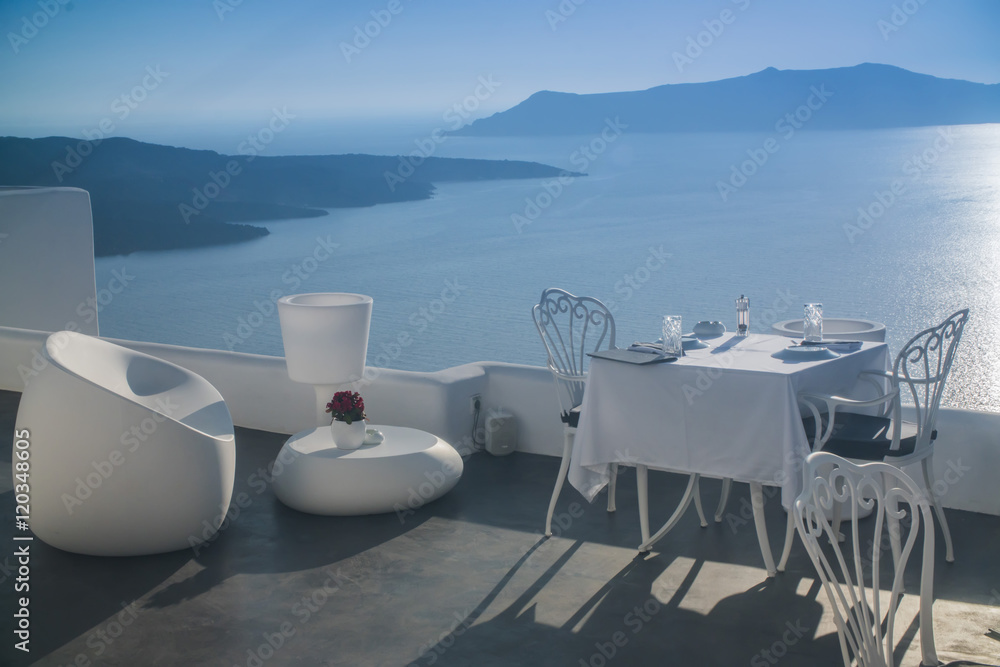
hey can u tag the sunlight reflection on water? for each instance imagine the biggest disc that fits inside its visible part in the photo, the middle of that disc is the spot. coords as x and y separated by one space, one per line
934 250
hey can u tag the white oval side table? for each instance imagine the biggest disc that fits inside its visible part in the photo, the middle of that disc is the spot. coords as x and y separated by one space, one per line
409 469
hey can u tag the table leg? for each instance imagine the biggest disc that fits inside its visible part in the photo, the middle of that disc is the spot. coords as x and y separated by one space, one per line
757 501
642 488
727 484
789 539
648 542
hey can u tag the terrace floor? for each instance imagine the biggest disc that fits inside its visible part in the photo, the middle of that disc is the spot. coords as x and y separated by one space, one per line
467 580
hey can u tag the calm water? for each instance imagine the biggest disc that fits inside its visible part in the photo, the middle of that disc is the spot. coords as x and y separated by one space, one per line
647 231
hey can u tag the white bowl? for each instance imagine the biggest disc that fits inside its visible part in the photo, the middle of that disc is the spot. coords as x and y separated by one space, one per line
706 328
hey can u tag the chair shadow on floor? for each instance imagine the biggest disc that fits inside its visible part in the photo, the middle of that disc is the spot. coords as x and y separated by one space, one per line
625 620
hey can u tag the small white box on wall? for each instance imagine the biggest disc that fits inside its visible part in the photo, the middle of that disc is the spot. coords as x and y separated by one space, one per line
501 432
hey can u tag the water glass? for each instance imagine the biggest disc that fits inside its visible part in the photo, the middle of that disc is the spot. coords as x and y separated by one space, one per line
742 316
673 345
812 323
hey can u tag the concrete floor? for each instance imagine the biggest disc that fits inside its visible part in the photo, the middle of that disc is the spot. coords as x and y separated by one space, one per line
467 580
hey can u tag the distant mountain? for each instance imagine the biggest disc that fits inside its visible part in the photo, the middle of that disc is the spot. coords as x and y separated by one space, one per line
151 197
864 96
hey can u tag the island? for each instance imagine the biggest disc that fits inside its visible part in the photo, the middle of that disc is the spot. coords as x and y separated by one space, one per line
865 96
151 197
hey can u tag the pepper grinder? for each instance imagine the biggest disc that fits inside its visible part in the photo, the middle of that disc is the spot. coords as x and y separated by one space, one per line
742 316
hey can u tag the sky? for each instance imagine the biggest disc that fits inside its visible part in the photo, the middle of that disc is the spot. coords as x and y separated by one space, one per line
67 67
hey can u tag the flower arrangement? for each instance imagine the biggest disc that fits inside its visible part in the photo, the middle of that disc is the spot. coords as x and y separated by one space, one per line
347 406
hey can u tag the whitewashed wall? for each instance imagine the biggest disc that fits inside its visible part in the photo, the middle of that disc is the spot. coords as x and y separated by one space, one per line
261 396
47 260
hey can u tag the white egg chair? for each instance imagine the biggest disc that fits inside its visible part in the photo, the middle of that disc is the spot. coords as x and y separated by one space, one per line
128 454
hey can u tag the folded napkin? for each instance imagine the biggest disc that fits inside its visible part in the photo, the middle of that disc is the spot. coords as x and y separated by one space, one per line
835 345
631 356
651 348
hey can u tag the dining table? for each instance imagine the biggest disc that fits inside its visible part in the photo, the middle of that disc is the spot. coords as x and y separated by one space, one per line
727 408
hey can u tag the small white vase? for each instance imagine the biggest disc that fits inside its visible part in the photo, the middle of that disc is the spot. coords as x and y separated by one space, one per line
348 436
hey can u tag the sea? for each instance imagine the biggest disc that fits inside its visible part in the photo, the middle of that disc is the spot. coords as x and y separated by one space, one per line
900 226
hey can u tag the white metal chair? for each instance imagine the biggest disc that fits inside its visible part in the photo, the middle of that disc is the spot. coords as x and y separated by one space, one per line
922 366
570 327
864 617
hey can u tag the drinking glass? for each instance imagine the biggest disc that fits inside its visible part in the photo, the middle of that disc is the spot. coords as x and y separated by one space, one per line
672 333
742 316
812 323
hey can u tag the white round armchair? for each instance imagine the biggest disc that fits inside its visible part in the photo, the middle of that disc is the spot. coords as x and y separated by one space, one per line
129 454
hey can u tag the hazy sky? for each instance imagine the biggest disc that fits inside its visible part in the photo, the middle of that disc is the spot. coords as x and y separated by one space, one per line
224 60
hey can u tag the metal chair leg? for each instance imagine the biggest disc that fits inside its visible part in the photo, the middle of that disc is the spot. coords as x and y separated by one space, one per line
929 481
727 484
560 478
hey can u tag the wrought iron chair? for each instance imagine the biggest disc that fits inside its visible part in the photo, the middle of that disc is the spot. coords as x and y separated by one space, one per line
922 367
864 618
570 327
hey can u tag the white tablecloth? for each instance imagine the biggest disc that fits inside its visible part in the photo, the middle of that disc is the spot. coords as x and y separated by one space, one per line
726 411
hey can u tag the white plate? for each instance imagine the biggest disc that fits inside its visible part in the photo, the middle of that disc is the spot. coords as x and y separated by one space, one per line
692 343
805 353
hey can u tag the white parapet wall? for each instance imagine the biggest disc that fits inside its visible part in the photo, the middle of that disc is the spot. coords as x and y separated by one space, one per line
261 396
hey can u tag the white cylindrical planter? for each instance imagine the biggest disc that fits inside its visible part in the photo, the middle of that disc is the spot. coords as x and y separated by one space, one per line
836 328
325 336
